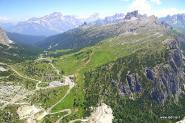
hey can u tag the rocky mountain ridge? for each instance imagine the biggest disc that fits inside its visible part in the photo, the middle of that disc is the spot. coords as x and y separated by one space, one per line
47 25
167 78
93 33
176 21
56 23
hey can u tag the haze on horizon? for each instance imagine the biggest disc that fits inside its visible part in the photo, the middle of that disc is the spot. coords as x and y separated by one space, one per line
17 10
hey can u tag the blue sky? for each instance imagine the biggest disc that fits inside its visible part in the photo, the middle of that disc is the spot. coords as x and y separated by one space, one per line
23 9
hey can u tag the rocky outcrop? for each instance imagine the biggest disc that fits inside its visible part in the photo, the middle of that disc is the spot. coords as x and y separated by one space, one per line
3 38
168 79
132 85
134 82
131 15
134 15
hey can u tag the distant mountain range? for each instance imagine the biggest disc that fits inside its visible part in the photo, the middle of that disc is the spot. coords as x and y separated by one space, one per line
55 23
176 21
90 34
46 25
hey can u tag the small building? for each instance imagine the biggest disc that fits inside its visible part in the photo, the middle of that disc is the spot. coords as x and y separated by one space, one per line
56 83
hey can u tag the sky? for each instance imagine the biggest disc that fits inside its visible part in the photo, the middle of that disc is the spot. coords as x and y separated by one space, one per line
16 10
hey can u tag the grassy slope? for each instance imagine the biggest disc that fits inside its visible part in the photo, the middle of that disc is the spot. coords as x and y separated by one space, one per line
39 70
47 98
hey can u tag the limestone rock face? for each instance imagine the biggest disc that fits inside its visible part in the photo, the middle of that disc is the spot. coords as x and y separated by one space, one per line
132 85
3 38
131 15
171 76
167 79
134 82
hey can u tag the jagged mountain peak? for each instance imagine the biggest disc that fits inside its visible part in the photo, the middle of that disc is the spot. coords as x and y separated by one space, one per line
54 15
56 22
47 17
51 24
117 16
132 14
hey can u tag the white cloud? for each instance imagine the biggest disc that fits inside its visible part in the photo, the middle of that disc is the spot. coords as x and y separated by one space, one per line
4 19
145 7
142 6
125 0
168 11
156 1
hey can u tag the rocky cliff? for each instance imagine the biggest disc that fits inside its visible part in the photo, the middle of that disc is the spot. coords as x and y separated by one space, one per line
4 38
167 79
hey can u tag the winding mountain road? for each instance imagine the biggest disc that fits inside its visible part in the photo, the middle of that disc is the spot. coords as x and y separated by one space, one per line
67 80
